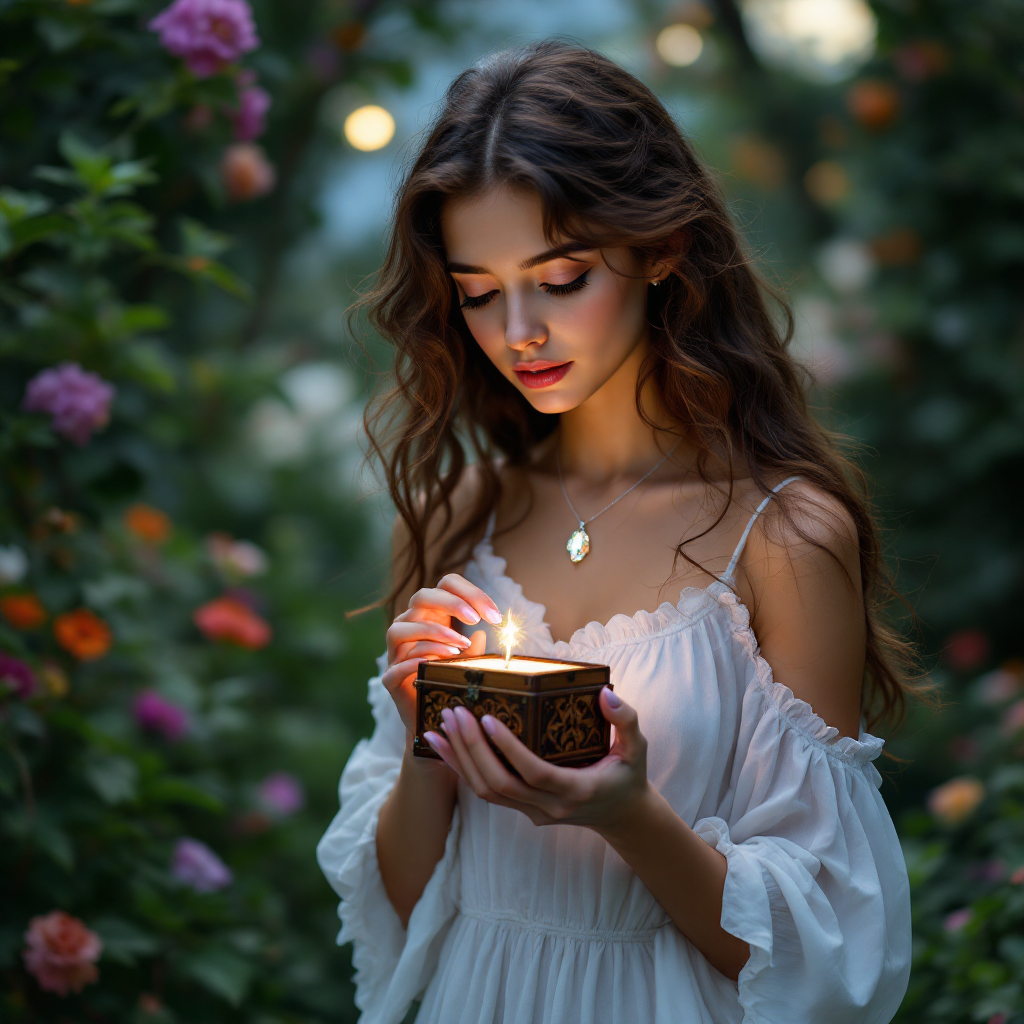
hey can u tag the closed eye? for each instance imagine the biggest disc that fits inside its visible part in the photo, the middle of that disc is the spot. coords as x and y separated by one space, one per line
476 301
567 289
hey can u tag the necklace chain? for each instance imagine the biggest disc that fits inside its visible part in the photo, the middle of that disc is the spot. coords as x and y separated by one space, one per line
579 518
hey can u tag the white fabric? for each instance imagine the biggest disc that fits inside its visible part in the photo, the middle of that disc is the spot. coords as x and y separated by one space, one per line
527 925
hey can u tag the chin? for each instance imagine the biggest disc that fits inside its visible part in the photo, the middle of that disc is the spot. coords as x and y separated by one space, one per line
553 402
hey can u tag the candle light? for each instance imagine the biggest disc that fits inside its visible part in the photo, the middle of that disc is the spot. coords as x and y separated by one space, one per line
508 636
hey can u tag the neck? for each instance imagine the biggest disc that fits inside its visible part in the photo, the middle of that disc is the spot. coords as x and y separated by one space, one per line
605 437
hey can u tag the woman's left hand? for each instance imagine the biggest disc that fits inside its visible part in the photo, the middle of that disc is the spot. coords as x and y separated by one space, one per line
598 796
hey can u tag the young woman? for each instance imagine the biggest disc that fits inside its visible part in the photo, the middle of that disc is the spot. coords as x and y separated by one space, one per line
582 348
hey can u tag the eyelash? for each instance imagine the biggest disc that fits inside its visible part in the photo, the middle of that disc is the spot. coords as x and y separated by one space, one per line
476 301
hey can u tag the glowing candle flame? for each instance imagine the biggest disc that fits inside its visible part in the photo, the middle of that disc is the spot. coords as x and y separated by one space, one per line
508 636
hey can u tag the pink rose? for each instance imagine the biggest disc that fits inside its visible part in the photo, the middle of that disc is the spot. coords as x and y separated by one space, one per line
282 793
246 172
250 119
207 34
61 953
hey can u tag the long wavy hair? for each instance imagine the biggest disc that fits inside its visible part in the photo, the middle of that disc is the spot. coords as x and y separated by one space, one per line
611 169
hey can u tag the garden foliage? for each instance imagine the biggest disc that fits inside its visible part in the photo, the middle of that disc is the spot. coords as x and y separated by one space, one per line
176 702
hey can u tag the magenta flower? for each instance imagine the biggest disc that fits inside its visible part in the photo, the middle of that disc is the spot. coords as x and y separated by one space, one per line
207 34
958 919
250 119
61 952
154 713
282 794
17 675
78 401
194 864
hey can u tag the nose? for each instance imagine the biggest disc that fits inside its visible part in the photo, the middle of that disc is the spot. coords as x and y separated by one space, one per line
522 328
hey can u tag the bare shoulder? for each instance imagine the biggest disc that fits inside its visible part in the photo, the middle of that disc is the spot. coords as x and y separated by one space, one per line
803 527
439 529
801 576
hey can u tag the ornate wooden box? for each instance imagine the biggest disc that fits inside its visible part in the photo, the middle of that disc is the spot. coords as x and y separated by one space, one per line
550 705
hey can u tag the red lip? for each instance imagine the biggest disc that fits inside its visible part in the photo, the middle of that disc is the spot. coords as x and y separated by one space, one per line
541 373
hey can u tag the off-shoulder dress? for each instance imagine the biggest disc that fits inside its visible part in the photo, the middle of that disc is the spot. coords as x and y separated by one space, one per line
522 924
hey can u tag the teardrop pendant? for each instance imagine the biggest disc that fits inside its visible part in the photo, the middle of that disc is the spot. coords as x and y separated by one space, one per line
578 545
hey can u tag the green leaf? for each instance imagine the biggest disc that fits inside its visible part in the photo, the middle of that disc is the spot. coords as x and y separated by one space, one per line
198 240
37 229
227 280
16 206
124 941
220 972
60 34
147 363
170 790
114 778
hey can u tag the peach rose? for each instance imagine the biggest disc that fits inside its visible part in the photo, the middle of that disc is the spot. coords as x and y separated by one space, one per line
61 953
955 801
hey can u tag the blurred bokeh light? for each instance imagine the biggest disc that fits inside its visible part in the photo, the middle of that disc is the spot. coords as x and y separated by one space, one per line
369 128
679 45
823 40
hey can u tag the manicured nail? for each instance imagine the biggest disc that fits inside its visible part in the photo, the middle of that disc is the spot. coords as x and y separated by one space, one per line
434 741
448 718
463 717
614 700
489 724
469 615
453 649
493 616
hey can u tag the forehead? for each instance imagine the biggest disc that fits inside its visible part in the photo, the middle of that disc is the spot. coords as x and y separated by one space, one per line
496 228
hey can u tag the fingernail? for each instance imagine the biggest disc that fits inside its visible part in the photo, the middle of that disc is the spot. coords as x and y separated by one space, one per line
614 700
493 616
463 717
489 724
454 649
469 614
433 741
449 720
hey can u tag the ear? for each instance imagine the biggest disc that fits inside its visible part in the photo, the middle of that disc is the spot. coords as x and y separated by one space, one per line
667 253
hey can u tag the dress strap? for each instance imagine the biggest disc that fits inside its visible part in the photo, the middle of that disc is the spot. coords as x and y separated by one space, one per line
489 532
746 533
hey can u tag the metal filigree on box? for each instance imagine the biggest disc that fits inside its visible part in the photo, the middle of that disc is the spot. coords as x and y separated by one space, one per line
552 706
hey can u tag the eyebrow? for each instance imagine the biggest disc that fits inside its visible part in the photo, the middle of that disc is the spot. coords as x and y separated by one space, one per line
561 252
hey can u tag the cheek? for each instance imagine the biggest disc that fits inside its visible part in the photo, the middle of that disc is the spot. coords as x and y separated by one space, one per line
608 320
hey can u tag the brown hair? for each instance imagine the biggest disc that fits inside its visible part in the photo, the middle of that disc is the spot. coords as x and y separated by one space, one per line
611 169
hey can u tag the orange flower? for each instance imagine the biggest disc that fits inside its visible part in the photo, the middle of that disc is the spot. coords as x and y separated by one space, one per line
955 801
82 633
228 619
147 523
23 611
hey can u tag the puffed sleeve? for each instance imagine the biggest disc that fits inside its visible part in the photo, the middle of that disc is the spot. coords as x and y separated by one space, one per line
393 964
816 881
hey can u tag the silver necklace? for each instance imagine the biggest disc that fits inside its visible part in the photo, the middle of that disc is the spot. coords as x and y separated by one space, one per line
578 544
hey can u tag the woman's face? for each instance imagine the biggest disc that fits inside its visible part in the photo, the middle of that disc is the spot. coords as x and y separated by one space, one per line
558 324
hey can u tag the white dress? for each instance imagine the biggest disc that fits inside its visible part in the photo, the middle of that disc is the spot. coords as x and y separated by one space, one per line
522 924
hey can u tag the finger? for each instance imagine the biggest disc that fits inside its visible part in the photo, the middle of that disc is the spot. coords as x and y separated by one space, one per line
537 773
424 647
629 741
433 600
494 774
473 595
440 746
400 673
400 632
470 771
478 643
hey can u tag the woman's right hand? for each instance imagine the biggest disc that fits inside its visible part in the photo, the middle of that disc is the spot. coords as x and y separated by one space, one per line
423 632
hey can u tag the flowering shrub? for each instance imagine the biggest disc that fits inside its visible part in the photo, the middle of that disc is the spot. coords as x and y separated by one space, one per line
157 856
965 854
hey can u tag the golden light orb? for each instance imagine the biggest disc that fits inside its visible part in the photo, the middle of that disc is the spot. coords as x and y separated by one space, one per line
679 45
369 128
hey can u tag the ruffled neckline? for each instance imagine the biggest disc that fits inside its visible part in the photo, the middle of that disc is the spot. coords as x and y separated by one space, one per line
693 605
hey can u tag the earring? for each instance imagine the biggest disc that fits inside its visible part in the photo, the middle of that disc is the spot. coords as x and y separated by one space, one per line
655 283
